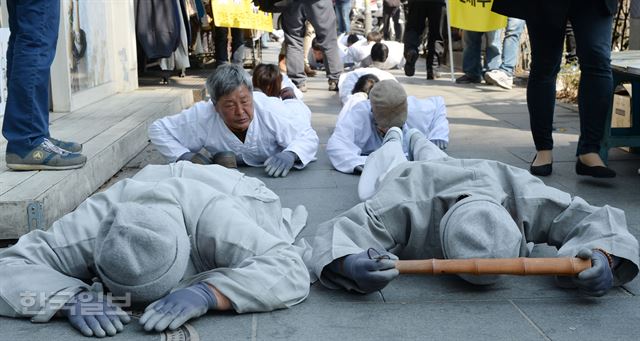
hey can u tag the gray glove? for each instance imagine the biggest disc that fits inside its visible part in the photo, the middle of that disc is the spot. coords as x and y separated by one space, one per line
358 169
280 164
94 316
598 279
371 270
178 307
442 144
195 158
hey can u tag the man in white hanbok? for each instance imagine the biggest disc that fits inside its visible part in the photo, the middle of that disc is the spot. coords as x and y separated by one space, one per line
361 127
181 239
257 129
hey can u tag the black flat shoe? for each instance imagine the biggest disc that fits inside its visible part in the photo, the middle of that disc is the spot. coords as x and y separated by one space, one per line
594 171
542 170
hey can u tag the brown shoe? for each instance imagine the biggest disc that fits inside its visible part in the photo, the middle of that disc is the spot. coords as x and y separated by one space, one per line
225 159
309 71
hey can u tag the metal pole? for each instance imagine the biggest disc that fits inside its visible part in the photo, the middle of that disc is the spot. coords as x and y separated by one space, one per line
367 16
453 78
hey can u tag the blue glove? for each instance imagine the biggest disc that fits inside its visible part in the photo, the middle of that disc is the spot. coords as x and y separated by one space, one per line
598 279
280 164
195 158
94 316
178 307
371 270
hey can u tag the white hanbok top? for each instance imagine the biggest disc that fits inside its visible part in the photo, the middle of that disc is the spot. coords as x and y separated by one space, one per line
355 135
277 126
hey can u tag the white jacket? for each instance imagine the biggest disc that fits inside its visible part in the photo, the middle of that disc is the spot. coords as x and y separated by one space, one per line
355 135
277 125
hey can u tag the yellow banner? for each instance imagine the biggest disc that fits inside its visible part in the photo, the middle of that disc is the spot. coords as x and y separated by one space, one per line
475 15
240 14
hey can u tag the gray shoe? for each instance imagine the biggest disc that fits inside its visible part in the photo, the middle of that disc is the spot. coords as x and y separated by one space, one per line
66 145
225 159
46 156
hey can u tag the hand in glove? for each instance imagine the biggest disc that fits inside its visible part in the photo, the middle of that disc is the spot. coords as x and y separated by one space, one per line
598 279
287 93
280 164
371 270
178 307
442 144
94 316
195 158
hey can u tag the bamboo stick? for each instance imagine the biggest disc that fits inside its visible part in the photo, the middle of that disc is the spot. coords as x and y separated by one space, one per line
495 266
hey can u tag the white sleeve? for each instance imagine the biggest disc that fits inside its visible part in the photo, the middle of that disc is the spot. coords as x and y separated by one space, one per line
439 128
181 133
342 148
254 269
293 135
429 115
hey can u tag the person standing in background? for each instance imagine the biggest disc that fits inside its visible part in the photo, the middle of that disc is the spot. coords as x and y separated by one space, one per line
32 45
343 8
391 11
591 21
419 10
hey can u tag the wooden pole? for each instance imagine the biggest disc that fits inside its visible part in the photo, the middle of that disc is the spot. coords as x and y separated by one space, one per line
495 266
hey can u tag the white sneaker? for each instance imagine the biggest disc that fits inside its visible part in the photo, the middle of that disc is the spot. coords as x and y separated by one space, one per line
499 78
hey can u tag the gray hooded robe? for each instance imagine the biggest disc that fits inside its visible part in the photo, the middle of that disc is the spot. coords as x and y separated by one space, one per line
404 216
240 242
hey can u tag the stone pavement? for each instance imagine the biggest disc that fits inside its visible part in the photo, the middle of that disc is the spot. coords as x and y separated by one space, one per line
485 122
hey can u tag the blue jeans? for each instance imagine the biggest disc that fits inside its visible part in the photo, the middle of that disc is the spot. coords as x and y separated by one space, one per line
592 28
471 54
511 45
343 8
32 46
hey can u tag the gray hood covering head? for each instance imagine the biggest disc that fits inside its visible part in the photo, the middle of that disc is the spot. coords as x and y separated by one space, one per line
141 251
388 104
479 227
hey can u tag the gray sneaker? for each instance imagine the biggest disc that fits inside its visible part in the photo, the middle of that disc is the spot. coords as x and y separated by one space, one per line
499 78
46 156
66 145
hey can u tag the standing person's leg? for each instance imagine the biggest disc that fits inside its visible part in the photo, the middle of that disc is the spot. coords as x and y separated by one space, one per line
339 21
321 15
386 19
397 26
221 42
546 34
413 30
511 45
32 45
293 21
592 29
345 10
471 58
493 51
434 15
237 46
309 34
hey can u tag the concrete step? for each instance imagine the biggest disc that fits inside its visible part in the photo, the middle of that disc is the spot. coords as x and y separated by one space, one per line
112 131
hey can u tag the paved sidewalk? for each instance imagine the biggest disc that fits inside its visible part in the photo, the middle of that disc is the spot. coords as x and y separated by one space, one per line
485 122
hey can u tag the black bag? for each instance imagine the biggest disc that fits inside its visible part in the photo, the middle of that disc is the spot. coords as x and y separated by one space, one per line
272 6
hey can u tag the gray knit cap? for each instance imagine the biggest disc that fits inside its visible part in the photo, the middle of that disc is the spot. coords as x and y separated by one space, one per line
141 251
388 104
479 227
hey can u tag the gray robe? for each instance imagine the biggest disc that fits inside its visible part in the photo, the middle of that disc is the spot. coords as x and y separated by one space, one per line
403 217
240 242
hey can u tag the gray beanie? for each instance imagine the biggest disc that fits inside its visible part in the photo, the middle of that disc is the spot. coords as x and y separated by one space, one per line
479 227
388 104
141 251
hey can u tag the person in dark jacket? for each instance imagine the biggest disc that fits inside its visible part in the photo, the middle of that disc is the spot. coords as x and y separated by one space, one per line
546 21
419 10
